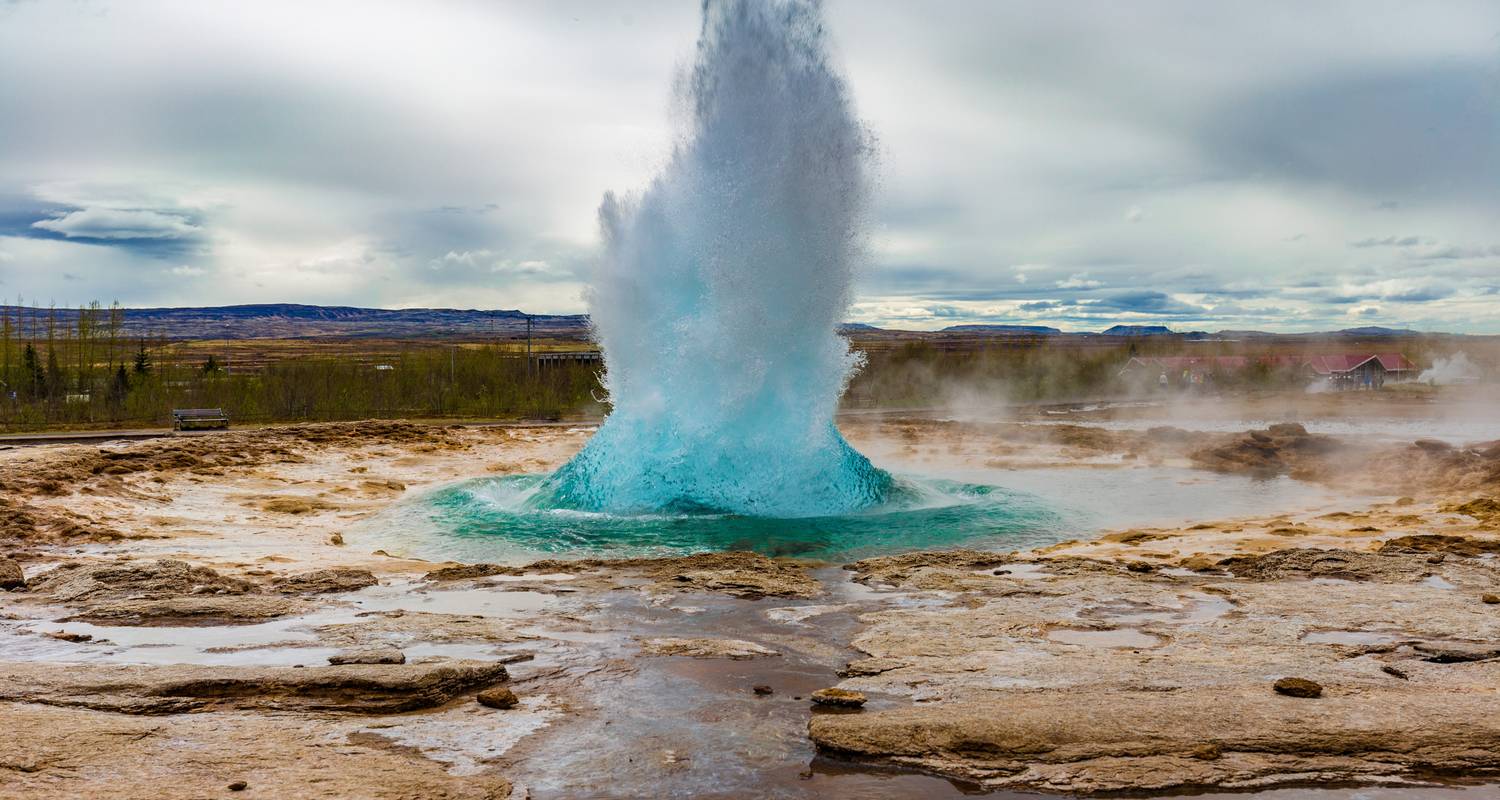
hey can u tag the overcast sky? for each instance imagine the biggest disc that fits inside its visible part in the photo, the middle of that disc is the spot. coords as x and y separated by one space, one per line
1270 165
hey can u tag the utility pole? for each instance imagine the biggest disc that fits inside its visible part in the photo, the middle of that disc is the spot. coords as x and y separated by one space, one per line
528 344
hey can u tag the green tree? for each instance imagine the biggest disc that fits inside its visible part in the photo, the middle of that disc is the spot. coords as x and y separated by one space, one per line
142 360
53 376
33 377
211 366
119 389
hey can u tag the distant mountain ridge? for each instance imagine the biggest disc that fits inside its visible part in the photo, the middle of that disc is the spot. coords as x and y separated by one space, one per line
299 321
1034 330
295 320
1138 330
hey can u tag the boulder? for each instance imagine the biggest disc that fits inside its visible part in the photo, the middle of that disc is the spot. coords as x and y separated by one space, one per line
839 698
11 576
497 697
1298 687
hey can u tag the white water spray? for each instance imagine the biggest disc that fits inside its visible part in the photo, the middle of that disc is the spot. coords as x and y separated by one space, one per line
723 283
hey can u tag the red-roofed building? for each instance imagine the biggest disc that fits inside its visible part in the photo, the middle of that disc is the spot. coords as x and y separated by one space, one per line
1342 371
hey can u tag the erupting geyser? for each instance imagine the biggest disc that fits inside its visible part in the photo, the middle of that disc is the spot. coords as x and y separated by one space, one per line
722 284
717 304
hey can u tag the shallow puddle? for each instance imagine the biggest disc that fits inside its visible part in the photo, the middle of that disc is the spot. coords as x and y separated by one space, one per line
283 642
288 641
1119 637
1351 638
1139 496
470 736
1195 609
418 596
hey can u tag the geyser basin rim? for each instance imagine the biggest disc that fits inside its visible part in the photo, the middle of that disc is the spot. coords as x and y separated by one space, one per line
511 519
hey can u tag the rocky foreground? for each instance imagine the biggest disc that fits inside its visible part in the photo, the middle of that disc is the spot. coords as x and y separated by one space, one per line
221 634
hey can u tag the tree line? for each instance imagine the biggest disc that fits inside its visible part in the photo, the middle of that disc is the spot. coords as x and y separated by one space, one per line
85 373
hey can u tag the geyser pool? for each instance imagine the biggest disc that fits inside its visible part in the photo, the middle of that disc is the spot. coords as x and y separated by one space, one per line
514 520
721 287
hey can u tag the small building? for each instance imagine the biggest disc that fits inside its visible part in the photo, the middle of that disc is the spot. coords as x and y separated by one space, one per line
1183 370
1339 371
1362 371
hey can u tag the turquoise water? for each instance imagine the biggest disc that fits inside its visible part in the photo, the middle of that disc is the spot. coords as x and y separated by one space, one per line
516 519
720 288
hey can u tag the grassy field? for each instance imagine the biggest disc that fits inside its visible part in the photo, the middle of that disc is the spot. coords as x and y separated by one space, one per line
87 375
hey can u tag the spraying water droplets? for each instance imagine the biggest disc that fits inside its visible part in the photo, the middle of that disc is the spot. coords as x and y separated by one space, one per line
722 285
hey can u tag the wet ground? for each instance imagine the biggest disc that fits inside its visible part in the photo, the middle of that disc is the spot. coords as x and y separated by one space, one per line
601 714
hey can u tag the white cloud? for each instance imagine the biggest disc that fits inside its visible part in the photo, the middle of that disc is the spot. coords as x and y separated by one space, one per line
111 223
186 271
467 258
1079 280
1021 271
1134 214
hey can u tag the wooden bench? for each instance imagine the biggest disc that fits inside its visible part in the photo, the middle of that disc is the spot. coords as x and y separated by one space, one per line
199 419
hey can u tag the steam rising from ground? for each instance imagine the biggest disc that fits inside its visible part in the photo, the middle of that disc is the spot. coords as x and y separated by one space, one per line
1448 371
722 285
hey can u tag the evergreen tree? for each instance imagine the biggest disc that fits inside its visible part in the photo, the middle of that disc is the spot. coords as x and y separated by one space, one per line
33 377
53 377
119 389
211 366
142 361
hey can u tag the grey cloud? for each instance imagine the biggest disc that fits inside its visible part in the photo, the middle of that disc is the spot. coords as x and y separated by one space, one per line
1423 131
1389 241
1455 253
1418 295
1148 302
110 223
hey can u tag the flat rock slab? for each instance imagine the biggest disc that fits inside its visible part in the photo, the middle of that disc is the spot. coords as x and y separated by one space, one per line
705 648
368 655
1099 740
190 610
80 581
325 581
178 688
75 753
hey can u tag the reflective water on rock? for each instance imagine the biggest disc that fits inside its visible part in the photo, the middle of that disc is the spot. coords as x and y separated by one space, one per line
1196 608
1353 638
1116 637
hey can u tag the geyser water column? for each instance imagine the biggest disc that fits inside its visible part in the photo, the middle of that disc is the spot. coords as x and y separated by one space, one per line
722 284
